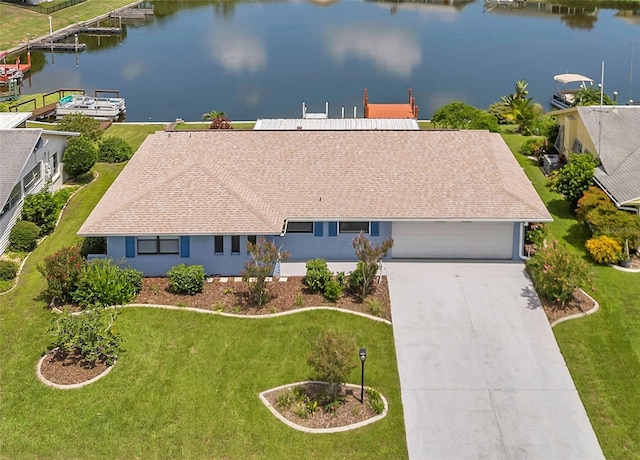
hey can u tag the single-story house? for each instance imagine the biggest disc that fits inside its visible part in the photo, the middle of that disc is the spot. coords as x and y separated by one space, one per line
29 159
611 134
198 197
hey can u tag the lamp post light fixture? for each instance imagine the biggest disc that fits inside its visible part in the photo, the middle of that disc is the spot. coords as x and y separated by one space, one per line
363 358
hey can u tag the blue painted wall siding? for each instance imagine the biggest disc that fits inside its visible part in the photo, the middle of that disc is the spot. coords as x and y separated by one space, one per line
301 246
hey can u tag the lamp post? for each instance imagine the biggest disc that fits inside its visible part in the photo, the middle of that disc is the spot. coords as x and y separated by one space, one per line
363 358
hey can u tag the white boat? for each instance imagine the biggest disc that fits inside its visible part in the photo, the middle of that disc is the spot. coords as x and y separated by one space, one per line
101 108
569 84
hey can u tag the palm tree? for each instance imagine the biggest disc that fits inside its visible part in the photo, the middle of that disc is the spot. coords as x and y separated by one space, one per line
218 120
210 116
520 109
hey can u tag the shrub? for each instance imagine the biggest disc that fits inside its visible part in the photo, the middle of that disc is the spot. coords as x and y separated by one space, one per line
333 290
374 400
134 277
535 233
604 250
23 236
62 196
557 273
114 149
573 178
547 126
264 257
79 156
332 359
90 335
355 279
186 279
458 115
41 209
619 225
534 147
369 258
62 271
87 126
8 270
93 245
103 284
318 275
593 198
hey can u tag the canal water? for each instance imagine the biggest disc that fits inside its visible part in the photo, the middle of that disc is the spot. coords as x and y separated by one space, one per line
264 59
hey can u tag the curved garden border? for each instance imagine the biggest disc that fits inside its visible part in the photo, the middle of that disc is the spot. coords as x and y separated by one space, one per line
71 386
595 308
626 270
337 429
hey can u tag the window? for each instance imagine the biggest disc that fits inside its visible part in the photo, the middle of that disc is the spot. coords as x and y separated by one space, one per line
54 164
14 198
218 244
32 177
354 227
158 245
252 239
577 146
235 244
300 227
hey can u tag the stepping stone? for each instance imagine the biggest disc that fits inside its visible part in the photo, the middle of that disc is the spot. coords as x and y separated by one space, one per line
268 279
237 279
283 279
224 280
210 279
252 280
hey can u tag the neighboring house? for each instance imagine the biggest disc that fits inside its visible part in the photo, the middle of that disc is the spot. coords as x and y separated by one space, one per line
198 197
29 158
611 134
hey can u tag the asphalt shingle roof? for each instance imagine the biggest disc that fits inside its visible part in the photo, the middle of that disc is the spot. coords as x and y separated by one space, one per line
225 181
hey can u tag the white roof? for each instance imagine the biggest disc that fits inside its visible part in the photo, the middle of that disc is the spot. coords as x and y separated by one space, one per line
571 78
351 124
10 120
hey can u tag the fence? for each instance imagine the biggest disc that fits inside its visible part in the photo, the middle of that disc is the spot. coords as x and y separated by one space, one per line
57 6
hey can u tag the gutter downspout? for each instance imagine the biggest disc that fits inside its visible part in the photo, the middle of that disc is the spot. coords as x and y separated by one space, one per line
521 242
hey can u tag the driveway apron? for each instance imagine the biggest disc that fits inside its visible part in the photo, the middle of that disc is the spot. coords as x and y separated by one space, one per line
481 374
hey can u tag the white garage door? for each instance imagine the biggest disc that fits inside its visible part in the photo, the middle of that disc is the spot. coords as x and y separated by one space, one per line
452 240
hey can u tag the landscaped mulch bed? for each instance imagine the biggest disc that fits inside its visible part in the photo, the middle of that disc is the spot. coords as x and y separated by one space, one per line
66 371
579 304
348 412
233 297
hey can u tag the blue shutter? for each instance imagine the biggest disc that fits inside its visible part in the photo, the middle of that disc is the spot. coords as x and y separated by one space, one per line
317 228
184 246
375 228
130 246
333 228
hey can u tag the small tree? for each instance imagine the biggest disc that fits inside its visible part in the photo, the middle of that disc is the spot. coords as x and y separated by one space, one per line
79 156
87 126
458 115
218 120
574 178
62 271
557 273
42 209
333 359
369 258
114 149
264 257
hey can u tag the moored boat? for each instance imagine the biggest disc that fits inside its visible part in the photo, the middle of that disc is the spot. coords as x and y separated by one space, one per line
101 108
569 84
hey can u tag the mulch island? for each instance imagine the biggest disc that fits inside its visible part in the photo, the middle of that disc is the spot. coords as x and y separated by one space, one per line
580 303
57 368
308 405
233 297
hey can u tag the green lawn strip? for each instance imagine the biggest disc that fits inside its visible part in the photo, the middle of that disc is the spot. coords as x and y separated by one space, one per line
187 386
133 133
602 351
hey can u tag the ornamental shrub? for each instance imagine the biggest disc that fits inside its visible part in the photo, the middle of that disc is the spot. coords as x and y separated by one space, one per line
619 225
593 198
533 147
87 126
333 290
103 284
557 273
332 358
23 236
41 209
79 156
318 275
573 178
186 279
134 277
604 250
114 149
62 271
91 335
8 270
535 233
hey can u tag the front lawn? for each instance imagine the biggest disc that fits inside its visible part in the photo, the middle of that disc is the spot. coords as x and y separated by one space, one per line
602 351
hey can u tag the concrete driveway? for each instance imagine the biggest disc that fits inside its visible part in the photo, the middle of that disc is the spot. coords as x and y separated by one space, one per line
480 371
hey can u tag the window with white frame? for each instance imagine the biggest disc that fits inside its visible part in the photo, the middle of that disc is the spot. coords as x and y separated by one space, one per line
54 163
299 227
14 198
32 177
158 245
354 227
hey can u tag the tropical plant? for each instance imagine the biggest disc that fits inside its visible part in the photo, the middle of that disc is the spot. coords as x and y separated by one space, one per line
332 359
114 149
218 120
590 95
79 156
23 236
87 126
458 115
521 109
604 250
186 279
264 257
557 272
369 259
573 178
62 271
103 284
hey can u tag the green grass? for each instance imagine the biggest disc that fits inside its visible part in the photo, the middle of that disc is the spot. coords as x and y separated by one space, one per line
186 385
132 133
602 351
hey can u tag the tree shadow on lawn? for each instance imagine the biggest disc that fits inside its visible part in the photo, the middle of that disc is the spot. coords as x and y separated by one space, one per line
560 208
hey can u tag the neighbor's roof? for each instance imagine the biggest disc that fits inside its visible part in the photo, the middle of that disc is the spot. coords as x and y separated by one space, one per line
615 132
333 124
15 147
10 120
225 181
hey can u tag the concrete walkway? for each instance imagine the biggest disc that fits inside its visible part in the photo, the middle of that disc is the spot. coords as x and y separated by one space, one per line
480 371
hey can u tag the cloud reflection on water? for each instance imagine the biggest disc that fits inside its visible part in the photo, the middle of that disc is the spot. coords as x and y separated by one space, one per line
238 51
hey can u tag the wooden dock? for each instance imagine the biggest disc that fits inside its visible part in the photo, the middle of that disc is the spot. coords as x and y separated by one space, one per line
46 110
64 47
132 13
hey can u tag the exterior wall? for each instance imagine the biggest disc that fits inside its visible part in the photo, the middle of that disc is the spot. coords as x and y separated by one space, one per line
301 246
575 129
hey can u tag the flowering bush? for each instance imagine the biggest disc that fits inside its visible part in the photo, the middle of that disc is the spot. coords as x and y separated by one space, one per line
62 271
557 273
604 250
